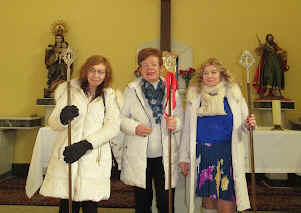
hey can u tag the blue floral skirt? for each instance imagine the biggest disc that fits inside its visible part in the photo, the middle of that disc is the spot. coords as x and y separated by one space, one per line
214 172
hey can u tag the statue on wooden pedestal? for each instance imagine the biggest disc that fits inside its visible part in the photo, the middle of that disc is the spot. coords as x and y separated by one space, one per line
269 77
57 70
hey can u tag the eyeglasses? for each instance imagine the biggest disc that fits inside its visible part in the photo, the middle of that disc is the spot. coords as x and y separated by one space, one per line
145 65
94 71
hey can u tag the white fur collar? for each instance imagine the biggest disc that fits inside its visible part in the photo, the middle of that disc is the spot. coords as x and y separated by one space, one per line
232 90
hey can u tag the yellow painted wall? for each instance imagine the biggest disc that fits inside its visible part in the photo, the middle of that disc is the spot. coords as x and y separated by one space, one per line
115 28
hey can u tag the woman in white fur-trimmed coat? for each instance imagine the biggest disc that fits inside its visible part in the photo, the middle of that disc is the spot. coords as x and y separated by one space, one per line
95 120
212 151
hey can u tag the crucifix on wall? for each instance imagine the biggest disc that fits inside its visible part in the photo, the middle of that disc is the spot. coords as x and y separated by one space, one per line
165 41
170 60
182 52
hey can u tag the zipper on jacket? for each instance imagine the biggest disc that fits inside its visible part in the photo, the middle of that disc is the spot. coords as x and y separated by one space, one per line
87 110
147 115
98 148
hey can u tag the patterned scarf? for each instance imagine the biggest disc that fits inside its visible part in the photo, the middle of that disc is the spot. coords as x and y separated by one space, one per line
154 97
212 99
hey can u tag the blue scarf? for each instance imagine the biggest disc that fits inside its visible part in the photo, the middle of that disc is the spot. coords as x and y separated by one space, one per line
154 98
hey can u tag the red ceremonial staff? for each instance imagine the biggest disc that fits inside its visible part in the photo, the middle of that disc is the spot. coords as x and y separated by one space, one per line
171 87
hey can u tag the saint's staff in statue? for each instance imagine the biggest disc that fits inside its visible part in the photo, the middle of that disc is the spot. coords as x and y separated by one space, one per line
247 60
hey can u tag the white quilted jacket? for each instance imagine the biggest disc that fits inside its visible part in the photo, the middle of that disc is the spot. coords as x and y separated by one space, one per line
134 157
91 173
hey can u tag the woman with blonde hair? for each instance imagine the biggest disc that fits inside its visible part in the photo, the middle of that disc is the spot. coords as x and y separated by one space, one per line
95 120
212 150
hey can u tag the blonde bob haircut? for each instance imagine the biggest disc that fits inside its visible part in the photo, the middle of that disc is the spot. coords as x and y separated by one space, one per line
197 80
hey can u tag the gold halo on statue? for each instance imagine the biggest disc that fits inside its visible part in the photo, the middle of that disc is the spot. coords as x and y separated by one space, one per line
59 27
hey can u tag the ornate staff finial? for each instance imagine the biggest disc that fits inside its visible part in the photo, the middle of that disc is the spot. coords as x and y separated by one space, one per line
169 62
68 57
247 60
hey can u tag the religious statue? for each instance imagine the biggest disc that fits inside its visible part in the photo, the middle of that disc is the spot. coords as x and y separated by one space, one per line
57 70
269 77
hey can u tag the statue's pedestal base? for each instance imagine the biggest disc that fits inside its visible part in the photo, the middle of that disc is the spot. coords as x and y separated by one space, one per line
264 117
266 104
48 104
264 114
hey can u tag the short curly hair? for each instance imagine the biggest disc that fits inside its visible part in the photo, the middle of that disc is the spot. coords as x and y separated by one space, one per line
146 52
197 80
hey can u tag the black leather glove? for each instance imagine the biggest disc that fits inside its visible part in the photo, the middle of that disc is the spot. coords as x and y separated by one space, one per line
75 151
68 113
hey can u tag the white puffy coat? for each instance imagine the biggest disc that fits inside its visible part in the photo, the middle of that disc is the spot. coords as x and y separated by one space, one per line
134 159
188 149
91 173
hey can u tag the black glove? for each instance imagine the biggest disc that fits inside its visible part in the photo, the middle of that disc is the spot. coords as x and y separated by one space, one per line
68 113
75 151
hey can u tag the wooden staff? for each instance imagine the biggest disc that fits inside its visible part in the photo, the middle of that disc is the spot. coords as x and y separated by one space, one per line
170 82
171 85
68 59
69 143
169 154
247 61
253 179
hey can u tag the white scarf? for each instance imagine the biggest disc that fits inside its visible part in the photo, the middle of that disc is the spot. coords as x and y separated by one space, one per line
212 99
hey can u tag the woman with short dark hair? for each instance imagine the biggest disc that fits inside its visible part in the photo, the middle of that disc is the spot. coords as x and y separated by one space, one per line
145 157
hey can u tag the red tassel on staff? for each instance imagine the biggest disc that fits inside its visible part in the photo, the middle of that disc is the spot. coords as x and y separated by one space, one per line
171 87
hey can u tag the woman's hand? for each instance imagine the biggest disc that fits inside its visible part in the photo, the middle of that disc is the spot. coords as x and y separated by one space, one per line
250 121
68 113
184 168
142 130
171 123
